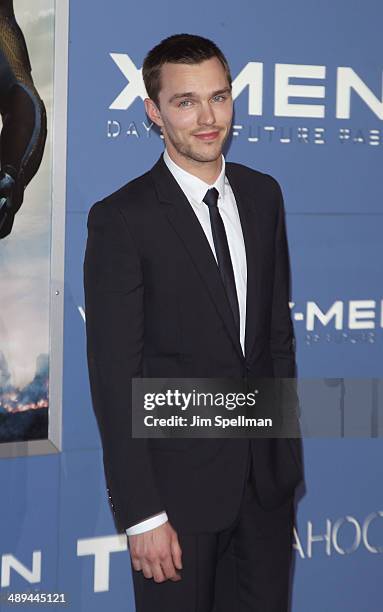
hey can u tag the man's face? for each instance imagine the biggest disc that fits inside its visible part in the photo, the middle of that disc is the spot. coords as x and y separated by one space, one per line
195 109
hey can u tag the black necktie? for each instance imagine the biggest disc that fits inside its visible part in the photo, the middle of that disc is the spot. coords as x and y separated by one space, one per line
222 252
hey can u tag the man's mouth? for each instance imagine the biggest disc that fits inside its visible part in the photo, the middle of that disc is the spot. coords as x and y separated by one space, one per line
207 136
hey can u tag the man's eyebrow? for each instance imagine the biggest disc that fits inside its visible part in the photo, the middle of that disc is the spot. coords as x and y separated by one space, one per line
191 94
186 94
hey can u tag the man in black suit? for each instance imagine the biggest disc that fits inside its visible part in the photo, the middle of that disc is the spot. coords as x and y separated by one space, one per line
186 275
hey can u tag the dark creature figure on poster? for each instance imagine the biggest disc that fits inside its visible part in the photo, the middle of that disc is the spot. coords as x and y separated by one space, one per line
23 115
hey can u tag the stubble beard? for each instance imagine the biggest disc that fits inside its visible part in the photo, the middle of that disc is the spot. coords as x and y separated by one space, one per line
188 151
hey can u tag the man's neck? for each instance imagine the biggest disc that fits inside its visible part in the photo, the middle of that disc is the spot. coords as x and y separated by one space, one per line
206 171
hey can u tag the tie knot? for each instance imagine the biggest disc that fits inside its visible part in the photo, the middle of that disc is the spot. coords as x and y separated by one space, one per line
211 197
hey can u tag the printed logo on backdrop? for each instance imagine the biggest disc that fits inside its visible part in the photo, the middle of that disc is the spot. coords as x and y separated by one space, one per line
341 322
300 93
343 536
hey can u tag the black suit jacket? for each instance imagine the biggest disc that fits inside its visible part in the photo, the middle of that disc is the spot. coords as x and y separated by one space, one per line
156 307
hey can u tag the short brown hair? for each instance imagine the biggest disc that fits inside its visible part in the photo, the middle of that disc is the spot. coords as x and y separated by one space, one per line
178 49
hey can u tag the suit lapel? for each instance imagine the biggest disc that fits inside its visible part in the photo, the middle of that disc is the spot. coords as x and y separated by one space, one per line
186 224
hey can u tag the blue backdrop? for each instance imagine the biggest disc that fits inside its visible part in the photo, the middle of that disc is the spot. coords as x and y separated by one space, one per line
323 142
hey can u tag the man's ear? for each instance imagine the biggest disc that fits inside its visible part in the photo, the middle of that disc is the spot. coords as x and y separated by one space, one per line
153 112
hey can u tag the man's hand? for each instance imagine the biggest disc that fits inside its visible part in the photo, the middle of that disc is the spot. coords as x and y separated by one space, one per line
157 553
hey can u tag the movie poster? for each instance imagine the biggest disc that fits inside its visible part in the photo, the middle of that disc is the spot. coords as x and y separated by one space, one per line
26 104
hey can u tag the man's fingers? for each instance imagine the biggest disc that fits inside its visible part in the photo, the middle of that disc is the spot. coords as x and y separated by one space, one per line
176 551
157 571
169 569
136 564
146 569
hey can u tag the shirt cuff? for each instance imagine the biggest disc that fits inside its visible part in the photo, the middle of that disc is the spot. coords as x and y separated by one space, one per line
150 523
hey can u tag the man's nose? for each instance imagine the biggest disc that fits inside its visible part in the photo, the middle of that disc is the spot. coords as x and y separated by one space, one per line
206 115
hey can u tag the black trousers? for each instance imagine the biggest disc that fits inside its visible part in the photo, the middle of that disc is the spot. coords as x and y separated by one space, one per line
245 568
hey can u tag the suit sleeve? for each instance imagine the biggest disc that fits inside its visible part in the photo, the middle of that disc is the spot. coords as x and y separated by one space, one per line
282 331
282 337
114 311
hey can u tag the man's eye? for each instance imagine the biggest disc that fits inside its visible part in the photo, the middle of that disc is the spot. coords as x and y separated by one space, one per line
219 98
185 103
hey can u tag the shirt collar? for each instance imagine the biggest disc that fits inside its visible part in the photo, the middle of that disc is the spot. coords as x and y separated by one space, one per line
191 185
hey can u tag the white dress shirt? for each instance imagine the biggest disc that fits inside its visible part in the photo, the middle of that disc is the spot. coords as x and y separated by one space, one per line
195 190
